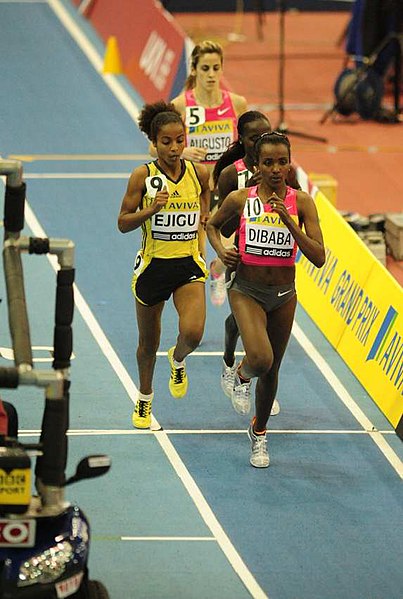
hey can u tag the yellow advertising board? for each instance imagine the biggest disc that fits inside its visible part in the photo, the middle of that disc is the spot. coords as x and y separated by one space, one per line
358 306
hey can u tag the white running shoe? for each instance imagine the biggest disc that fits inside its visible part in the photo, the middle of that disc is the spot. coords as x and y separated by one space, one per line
227 378
260 456
218 290
275 409
240 396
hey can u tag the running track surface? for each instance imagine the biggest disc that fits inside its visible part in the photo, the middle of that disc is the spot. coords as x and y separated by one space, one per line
181 514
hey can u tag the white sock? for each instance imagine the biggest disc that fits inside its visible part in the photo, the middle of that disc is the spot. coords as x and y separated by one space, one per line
144 397
178 364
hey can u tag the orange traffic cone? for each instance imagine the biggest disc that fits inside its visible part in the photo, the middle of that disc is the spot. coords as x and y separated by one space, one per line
112 63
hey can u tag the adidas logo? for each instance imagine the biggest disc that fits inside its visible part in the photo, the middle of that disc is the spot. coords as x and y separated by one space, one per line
175 194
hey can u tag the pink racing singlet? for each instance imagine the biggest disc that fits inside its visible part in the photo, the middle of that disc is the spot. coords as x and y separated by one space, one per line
264 240
213 129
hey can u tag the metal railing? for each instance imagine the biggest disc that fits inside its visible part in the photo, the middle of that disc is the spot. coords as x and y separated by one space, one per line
51 463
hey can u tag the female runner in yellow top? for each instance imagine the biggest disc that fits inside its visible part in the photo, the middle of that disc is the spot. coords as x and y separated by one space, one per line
169 199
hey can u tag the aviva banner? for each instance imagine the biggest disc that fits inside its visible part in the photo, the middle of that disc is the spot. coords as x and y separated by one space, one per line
358 306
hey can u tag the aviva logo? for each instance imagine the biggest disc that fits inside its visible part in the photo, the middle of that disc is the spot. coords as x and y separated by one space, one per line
387 350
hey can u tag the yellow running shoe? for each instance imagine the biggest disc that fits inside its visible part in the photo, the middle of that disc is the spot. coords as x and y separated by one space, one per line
178 383
141 417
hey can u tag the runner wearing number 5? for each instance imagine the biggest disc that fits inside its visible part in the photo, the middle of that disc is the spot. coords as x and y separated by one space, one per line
210 114
169 199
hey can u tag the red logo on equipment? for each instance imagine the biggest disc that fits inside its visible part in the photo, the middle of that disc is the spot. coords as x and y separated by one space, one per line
17 533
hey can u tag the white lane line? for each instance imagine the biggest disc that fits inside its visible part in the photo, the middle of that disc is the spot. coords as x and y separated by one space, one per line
347 400
95 59
78 157
209 518
205 510
194 492
76 175
120 432
8 353
168 539
203 353
87 315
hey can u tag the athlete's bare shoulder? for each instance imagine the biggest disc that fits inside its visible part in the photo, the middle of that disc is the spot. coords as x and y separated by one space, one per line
227 182
138 176
229 169
303 195
202 171
228 178
239 103
180 103
237 198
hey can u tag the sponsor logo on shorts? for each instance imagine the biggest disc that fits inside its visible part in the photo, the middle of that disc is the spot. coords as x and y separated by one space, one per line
281 293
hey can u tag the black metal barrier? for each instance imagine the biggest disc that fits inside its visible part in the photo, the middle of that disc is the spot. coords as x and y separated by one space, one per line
17 309
9 378
63 333
51 464
14 204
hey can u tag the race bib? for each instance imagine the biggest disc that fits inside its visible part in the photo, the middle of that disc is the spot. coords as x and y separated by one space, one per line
155 184
138 263
253 208
175 226
268 237
194 116
243 178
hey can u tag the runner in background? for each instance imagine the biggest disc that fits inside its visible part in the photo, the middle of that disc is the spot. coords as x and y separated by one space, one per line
210 114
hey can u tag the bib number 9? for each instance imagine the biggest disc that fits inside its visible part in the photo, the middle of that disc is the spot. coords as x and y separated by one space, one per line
155 184
138 263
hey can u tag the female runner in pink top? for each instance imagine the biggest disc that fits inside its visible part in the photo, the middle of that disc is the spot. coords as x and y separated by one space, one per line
210 114
273 220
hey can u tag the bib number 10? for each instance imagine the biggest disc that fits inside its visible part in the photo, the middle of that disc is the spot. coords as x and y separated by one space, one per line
253 208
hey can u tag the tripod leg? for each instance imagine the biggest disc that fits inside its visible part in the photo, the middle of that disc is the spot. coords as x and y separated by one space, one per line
304 135
327 114
259 7
398 77
281 127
